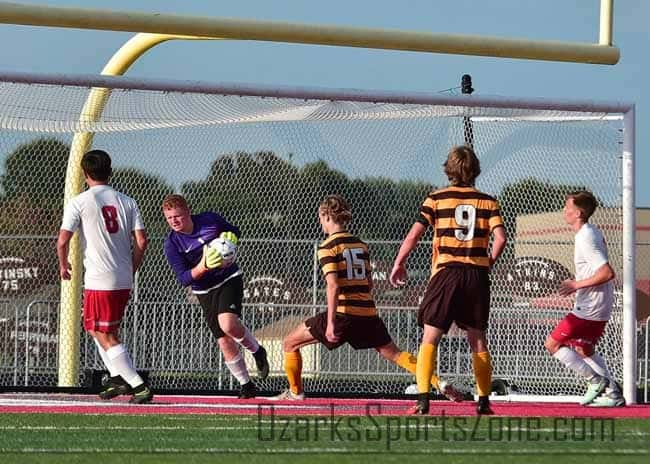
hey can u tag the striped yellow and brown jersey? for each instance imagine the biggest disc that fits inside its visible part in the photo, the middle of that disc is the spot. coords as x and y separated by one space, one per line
348 257
462 219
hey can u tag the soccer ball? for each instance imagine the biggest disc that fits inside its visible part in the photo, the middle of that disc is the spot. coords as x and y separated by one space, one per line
226 249
411 389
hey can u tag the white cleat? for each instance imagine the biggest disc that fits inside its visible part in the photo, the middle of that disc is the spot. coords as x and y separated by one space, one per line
613 399
450 392
594 389
288 395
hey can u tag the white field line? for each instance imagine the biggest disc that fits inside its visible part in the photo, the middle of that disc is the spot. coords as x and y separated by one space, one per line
105 404
193 417
429 451
119 427
515 398
84 397
280 423
179 417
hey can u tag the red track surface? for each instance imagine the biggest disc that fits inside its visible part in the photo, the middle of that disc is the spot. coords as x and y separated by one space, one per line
89 404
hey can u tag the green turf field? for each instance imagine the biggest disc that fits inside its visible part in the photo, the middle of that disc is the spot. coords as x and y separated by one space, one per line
43 438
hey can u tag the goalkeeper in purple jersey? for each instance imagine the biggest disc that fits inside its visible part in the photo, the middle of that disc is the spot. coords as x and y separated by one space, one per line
219 288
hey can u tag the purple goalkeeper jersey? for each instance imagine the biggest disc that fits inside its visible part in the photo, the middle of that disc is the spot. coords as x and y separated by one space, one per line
184 251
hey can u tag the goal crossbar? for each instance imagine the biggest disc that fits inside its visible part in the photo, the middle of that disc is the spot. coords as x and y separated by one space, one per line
316 93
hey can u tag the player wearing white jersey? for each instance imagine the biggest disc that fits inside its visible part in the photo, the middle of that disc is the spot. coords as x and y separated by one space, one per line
594 302
574 339
107 221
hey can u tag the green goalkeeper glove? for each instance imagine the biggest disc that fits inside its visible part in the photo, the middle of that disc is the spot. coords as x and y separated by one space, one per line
230 236
211 257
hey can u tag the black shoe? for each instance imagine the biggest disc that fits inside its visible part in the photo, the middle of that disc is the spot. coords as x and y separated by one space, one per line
262 363
248 390
483 406
141 394
421 407
115 386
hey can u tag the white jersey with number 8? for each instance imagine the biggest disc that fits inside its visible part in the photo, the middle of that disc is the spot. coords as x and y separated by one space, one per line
106 220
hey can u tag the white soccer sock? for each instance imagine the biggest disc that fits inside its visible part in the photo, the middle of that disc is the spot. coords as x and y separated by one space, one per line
599 365
123 365
248 341
573 361
107 362
238 369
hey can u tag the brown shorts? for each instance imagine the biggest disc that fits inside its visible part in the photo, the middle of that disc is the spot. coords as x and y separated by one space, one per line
361 332
458 294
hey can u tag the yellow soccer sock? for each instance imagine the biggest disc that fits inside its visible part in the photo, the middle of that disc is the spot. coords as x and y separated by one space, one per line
426 366
293 369
482 363
409 362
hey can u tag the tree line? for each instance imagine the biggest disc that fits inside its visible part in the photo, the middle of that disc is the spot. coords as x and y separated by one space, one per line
265 195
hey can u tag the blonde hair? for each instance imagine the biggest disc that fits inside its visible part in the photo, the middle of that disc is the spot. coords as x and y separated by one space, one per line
462 166
174 201
336 208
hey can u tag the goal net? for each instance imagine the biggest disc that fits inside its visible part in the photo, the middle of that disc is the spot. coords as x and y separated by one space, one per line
265 160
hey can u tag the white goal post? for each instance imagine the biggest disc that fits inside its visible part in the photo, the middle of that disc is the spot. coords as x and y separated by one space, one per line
264 156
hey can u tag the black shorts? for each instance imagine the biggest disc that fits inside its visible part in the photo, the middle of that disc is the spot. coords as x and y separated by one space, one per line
458 294
224 299
361 332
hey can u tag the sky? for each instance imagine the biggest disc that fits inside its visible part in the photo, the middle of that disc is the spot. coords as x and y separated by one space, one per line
54 50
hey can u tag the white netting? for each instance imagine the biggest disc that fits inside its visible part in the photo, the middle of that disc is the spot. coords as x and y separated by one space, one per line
265 163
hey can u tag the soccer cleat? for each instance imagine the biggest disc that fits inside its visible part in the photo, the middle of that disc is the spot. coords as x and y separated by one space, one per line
116 386
262 363
483 406
613 399
288 395
141 394
596 386
450 392
614 385
421 407
247 390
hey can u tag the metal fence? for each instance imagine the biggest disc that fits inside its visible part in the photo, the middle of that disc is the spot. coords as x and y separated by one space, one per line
170 341
644 348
